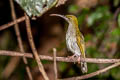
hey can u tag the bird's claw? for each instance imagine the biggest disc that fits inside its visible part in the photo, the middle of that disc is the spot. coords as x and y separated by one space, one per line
78 60
73 58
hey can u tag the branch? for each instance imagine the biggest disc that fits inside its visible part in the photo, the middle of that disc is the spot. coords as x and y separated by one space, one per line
32 45
55 65
94 73
5 26
62 59
116 13
17 31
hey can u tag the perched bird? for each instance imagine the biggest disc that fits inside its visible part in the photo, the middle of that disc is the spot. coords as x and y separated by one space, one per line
74 39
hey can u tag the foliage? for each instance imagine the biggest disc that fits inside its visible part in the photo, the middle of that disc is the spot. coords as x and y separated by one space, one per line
36 7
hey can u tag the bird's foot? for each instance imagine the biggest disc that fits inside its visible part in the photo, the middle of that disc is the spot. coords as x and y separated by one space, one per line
73 57
78 60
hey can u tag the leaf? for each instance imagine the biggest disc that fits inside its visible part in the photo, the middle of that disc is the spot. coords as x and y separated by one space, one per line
92 68
115 35
88 37
115 73
101 13
82 16
116 2
71 72
73 8
62 66
93 17
36 7
116 32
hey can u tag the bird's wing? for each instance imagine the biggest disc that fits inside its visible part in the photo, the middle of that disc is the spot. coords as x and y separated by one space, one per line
81 43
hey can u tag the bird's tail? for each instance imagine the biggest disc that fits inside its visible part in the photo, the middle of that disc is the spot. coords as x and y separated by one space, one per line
84 67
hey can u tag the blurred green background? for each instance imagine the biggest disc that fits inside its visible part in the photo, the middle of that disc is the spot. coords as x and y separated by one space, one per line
99 22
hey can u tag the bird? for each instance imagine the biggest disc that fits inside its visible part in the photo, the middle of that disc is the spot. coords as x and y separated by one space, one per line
75 40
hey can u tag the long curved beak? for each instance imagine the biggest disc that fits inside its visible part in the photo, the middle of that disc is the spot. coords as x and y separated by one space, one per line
62 16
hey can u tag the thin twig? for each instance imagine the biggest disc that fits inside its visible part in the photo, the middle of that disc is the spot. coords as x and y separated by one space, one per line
55 65
5 26
10 67
17 31
116 13
32 45
62 59
94 73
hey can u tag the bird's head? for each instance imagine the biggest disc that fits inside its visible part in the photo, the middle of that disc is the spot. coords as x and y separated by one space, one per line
72 19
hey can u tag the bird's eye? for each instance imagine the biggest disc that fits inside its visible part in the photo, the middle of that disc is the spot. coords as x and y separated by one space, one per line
69 18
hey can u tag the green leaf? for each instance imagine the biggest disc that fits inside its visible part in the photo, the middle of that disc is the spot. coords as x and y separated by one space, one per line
88 37
33 63
62 66
36 7
82 16
115 35
92 68
115 73
71 72
116 2
119 20
100 14
73 8
93 17
116 32
101 29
